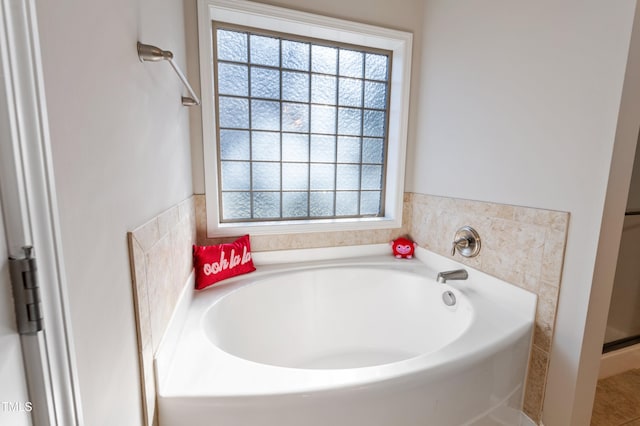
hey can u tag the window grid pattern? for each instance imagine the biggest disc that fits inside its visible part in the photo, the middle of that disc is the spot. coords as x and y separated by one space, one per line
301 128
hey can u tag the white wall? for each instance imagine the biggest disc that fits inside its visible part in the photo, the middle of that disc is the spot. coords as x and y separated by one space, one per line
519 104
120 142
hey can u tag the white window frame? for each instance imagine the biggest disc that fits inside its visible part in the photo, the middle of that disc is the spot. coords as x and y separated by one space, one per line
282 20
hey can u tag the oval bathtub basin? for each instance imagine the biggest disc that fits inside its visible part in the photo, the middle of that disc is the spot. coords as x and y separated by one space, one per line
335 318
355 342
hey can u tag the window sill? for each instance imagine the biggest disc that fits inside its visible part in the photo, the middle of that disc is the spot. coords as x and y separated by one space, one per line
304 226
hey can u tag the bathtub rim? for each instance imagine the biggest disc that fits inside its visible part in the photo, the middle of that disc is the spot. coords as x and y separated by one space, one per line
515 300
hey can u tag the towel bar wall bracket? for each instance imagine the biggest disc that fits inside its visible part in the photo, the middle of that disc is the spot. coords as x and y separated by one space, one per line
149 53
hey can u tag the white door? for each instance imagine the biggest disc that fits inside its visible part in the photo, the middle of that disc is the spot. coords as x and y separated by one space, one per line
38 383
15 407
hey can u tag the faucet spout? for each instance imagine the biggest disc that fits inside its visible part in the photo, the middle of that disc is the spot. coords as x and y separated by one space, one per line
456 274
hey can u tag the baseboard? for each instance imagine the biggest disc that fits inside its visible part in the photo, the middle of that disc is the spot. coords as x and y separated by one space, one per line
619 361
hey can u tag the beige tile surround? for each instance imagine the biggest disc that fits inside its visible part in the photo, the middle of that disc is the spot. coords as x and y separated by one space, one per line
520 245
523 246
160 257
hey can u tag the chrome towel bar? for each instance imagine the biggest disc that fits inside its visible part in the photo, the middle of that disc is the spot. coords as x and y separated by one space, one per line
147 52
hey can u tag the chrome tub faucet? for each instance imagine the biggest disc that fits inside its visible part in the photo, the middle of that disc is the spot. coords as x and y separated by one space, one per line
456 274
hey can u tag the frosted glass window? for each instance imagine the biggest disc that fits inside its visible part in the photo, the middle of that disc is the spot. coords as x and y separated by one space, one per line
347 203
265 115
376 66
295 55
301 127
375 95
266 205
233 79
323 149
347 177
295 117
236 205
295 204
350 92
349 121
295 147
265 176
235 175
323 119
371 177
324 59
295 86
234 144
349 149
232 46
323 89
369 202
265 146
374 123
234 112
373 150
265 50
351 63
322 176
265 83
295 176
321 204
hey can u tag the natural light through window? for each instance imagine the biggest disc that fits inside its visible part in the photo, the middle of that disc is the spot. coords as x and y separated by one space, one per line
302 127
305 129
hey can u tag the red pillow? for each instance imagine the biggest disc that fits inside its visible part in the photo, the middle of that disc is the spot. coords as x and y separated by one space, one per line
216 263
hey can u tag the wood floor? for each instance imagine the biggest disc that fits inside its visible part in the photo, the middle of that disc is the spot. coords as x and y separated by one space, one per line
617 400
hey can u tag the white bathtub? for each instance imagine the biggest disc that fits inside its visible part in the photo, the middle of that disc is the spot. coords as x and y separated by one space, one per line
361 341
